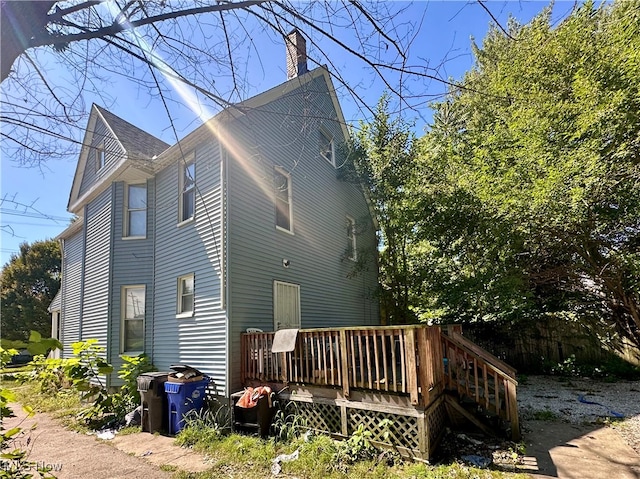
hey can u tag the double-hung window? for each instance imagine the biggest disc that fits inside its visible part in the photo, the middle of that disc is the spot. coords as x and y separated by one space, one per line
351 239
135 224
100 157
327 150
282 185
186 295
187 189
133 312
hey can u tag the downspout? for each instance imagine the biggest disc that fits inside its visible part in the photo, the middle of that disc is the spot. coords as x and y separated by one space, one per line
110 285
84 260
151 232
62 291
224 281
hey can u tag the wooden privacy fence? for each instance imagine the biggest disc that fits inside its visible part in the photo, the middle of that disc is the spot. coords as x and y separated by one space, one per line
406 360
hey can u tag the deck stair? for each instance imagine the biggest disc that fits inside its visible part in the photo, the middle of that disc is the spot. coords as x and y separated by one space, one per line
479 386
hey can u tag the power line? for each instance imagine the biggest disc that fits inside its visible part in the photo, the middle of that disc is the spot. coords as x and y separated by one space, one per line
44 225
30 214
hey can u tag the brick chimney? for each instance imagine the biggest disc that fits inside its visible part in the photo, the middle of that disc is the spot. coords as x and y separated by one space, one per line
296 54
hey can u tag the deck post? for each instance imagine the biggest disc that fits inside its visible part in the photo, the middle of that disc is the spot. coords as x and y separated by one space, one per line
423 434
412 371
423 368
512 405
344 420
344 362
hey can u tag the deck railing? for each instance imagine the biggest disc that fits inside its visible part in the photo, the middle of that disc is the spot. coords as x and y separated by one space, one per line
399 359
479 375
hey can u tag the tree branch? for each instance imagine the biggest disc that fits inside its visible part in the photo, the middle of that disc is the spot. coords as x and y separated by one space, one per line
40 40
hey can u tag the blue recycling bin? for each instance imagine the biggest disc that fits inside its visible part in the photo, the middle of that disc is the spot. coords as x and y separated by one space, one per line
184 397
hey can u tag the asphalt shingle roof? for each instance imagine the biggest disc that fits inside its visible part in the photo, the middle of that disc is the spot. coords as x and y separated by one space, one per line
138 143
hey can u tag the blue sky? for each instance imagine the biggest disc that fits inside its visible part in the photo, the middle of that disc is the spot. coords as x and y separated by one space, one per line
34 200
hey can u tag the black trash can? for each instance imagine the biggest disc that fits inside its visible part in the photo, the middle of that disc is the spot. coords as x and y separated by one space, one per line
255 419
155 410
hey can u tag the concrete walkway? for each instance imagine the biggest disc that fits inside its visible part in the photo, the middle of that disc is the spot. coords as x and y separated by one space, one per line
568 451
74 455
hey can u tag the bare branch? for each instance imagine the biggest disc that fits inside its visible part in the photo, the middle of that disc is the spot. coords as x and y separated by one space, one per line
114 29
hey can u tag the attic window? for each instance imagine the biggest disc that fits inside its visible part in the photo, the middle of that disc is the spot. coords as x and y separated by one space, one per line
187 189
326 148
282 184
100 157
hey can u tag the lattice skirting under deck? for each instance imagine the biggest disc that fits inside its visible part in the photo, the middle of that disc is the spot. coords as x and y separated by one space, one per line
412 431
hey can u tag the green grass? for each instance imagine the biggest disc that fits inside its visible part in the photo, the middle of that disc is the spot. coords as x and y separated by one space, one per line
64 405
236 456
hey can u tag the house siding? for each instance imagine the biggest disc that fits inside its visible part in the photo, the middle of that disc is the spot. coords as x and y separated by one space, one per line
273 136
71 301
193 247
113 154
132 265
95 300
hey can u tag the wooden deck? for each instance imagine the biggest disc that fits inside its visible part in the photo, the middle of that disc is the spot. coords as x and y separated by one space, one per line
342 377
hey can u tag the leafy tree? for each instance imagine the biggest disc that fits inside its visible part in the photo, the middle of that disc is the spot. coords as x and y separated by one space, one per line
29 282
534 168
382 160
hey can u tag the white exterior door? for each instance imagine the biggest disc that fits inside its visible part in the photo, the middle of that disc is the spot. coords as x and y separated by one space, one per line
286 305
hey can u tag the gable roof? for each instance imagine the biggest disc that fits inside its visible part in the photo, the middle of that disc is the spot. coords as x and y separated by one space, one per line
140 145
136 144
135 141
239 109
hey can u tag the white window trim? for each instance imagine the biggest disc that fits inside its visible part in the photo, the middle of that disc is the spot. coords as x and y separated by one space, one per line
123 312
188 160
125 223
275 301
101 157
185 314
289 199
354 251
332 160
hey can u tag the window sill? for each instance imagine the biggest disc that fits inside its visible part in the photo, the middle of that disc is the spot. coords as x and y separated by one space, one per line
331 161
129 238
185 315
132 353
280 228
186 222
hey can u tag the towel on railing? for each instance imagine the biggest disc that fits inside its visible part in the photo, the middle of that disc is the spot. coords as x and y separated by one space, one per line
251 395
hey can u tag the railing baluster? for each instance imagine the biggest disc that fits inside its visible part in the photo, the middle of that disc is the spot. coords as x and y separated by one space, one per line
403 362
394 363
375 358
368 350
475 379
360 360
344 363
324 357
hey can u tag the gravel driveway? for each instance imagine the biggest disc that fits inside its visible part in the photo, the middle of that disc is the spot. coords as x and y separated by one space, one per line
570 399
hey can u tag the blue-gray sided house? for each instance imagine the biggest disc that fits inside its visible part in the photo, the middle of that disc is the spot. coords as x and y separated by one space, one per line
178 249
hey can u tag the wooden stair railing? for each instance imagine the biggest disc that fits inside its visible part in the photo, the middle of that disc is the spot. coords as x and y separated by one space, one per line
477 374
